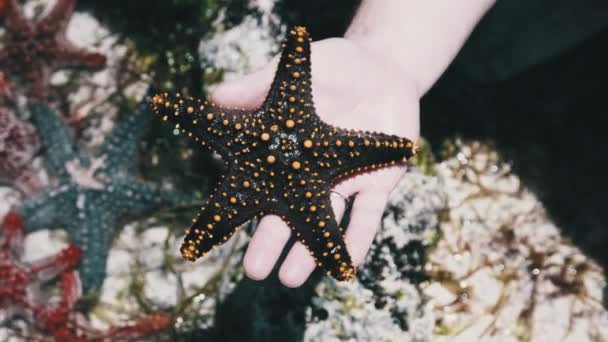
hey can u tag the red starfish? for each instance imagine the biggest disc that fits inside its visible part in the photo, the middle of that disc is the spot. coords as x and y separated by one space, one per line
20 283
133 331
33 50
5 86
67 325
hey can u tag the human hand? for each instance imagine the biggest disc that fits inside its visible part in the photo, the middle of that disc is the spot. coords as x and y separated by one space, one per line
353 88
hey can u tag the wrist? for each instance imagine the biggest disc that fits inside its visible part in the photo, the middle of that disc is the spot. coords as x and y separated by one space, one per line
421 38
381 52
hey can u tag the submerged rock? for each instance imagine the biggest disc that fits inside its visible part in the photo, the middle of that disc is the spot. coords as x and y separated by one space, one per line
502 269
384 303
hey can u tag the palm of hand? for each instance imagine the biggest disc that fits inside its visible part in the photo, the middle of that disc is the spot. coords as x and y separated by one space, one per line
352 88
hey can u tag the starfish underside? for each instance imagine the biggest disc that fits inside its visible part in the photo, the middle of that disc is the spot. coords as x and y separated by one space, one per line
282 159
31 51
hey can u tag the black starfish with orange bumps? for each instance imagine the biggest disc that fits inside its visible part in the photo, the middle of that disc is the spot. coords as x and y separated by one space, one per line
33 50
282 159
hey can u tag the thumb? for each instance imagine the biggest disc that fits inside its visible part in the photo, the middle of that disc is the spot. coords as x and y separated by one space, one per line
247 92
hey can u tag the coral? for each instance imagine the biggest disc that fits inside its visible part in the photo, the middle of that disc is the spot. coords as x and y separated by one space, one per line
95 193
33 50
18 145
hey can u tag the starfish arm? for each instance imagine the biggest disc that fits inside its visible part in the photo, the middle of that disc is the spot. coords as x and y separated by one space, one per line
93 232
12 232
347 152
47 210
58 18
48 317
70 290
37 77
57 141
48 268
140 329
15 20
290 92
218 219
133 197
212 126
313 221
70 55
120 148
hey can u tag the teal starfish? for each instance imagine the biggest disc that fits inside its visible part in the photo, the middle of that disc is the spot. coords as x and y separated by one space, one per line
94 194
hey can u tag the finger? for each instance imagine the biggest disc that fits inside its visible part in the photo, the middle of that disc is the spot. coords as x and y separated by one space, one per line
338 204
299 264
265 247
364 222
247 92
297 267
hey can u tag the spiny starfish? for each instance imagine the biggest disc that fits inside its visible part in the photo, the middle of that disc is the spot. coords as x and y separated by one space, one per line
94 194
282 159
20 282
33 50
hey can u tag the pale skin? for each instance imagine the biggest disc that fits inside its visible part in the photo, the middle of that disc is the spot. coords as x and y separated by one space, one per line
372 79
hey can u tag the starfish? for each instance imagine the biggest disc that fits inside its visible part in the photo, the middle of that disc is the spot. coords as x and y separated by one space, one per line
33 50
282 159
65 326
95 193
19 283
